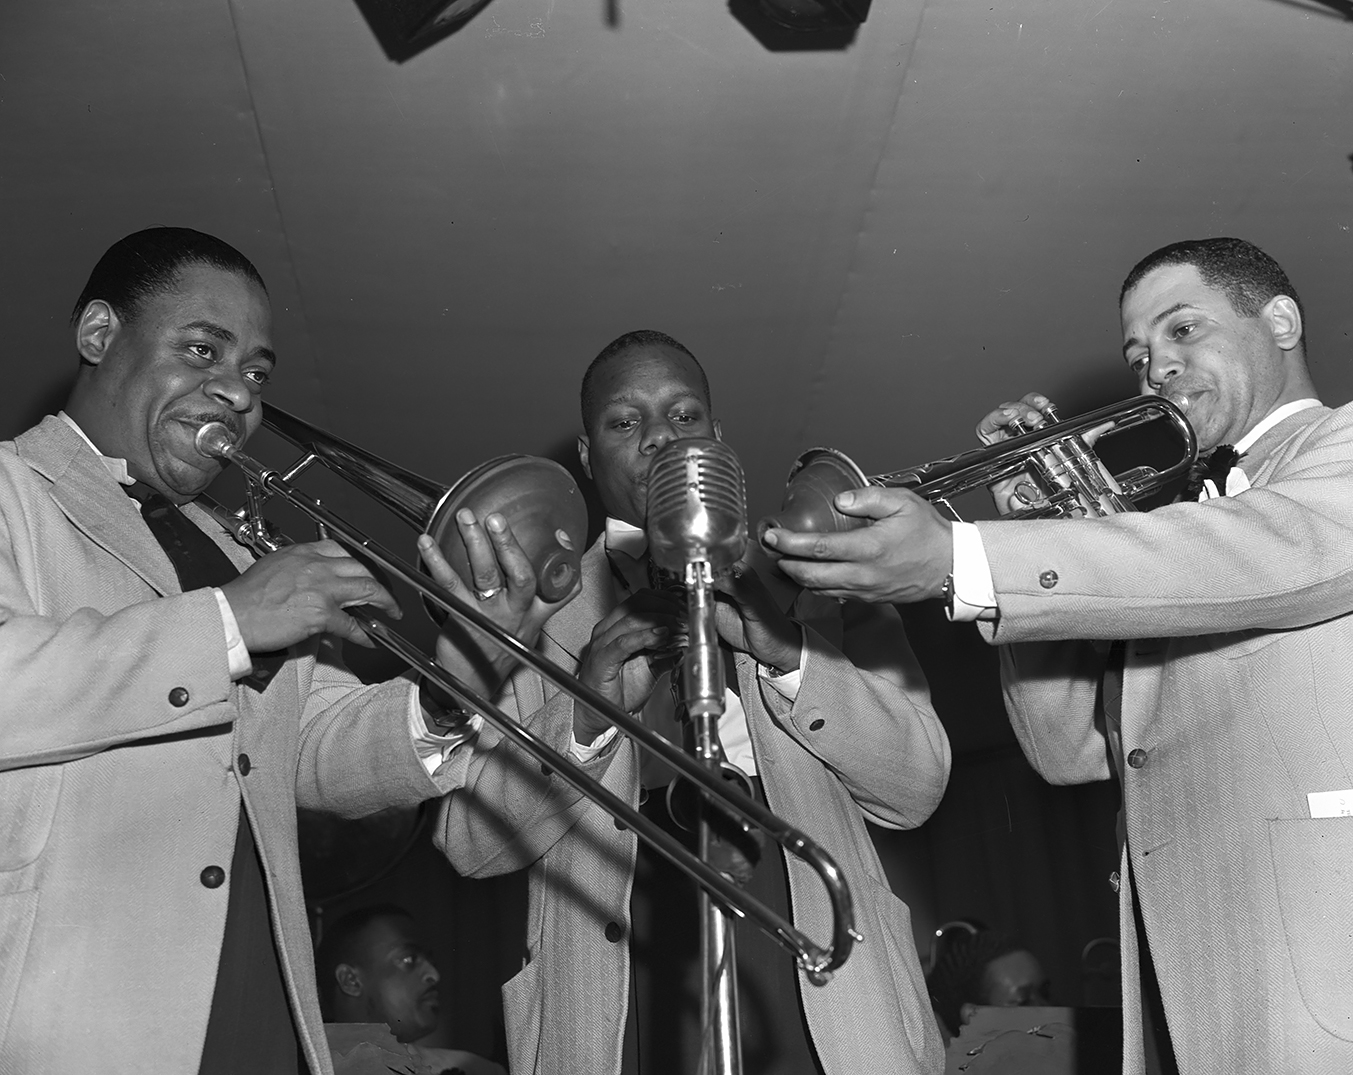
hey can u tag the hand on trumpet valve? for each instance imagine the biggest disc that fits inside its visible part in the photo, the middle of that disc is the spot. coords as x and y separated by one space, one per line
630 648
1009 420
1033 411
502 585
904 555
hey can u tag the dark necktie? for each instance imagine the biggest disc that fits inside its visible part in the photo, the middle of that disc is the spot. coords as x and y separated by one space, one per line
198 561
1216 466
249 1027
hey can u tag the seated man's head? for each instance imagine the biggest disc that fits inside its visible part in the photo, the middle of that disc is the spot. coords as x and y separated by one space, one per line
641 392
373 970
985 968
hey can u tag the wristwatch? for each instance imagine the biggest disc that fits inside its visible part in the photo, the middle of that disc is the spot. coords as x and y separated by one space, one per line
947 595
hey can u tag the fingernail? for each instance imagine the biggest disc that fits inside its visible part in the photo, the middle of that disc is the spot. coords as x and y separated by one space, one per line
846 499
770 537
466 516
496 523
424 541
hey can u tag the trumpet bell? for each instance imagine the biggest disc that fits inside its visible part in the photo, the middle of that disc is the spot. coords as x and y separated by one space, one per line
541 503
809 504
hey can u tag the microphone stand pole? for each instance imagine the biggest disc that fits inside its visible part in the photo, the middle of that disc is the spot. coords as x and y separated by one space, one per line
702 671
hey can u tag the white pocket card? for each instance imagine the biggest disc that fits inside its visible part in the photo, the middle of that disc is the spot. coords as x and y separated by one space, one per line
1331 803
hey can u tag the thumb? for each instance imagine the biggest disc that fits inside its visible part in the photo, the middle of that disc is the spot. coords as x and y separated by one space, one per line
873 502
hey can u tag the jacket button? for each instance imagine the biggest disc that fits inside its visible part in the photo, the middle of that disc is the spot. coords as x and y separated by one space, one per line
1048 579
1115 882
178 697
817 725
243 764
614 932
1137 758
213 877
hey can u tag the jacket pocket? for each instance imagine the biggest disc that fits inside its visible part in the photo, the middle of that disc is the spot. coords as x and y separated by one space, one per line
1313 864
28 800
522 1012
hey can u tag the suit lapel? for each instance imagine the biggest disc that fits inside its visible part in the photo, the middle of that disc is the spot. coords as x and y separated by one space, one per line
94 502
1265 453
571 627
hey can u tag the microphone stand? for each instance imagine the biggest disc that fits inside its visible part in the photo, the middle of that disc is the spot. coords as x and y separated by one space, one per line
697 523
703 686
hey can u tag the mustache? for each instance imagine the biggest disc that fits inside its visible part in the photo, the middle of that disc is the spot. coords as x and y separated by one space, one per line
230 421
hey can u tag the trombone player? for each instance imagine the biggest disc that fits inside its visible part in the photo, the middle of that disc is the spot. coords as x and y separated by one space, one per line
832 720
1226 689
167 702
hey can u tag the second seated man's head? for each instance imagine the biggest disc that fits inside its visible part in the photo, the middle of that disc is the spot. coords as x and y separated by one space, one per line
372 969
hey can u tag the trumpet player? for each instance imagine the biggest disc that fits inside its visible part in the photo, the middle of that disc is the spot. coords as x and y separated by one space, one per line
830 722
1221 699
166 701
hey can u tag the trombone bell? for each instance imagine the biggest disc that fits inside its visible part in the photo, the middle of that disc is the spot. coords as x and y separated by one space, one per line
538 497
541 503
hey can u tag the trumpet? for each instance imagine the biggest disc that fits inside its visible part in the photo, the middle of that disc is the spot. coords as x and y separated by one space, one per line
544 507
1073 483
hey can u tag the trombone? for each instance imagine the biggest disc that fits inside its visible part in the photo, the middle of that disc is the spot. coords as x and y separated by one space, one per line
432 508
1074 482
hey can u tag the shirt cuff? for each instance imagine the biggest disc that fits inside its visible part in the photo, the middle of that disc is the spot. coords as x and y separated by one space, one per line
435 750
974 593
237 654
786 685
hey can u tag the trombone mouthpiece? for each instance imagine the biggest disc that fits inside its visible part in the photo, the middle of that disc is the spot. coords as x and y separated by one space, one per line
215 441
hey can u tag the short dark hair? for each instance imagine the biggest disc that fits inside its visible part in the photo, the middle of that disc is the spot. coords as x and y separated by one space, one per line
644 337
338 944
957 976
1238 269
148 263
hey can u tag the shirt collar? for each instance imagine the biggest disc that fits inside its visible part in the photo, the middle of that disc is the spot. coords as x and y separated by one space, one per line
1246 442
116 467
624 537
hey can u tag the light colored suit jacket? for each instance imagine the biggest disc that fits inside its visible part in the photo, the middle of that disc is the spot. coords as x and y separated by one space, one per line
860 740
120 731
1237 702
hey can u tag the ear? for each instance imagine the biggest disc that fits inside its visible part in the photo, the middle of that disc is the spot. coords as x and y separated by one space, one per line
965 1013
94 331
1284 321
718 430
349 979
584 456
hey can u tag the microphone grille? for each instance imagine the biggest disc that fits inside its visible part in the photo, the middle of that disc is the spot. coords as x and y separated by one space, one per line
697 505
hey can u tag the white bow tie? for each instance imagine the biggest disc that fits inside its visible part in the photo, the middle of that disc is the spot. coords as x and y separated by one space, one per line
624 537
1237 481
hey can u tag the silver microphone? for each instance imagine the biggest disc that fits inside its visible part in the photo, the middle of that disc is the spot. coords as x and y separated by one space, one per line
697 527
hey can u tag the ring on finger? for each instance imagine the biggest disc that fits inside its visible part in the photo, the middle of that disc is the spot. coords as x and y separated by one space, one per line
492 591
